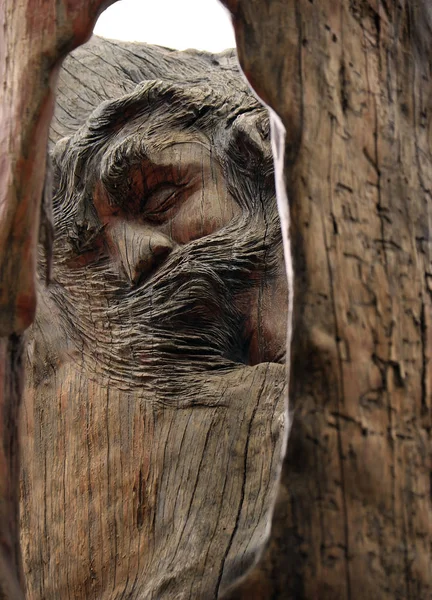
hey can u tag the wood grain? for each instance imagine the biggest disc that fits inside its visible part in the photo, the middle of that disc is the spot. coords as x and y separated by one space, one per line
35 37
351 82
154 417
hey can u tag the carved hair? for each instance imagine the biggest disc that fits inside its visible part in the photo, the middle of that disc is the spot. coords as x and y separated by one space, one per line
167 324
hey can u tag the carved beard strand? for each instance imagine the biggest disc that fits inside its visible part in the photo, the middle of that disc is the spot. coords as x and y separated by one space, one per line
181 322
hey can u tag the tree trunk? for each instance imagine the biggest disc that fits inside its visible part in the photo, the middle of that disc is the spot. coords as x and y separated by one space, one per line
351 82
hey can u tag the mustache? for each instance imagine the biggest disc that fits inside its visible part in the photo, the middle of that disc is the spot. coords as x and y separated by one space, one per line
182 321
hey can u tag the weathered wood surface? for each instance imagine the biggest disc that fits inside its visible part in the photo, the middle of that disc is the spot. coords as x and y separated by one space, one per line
35 39
154 415
351 82
11 377
35 36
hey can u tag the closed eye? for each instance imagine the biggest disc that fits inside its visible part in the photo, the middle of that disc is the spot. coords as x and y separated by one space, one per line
163 202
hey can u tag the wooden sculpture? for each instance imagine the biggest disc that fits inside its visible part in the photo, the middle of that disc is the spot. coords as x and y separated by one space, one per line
154 416
349 84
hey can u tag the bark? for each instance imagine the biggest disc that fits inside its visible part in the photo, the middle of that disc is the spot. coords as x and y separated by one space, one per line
34 39
351 82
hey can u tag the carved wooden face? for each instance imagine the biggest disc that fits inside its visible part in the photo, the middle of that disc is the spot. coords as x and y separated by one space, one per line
177 194
178 218
154 419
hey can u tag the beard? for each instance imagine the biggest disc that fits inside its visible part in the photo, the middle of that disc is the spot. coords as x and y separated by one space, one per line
181 323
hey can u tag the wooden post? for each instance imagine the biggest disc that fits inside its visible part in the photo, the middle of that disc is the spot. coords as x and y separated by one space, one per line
35 38
351 82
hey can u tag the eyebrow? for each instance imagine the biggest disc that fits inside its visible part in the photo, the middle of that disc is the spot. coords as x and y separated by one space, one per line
192 110
119 166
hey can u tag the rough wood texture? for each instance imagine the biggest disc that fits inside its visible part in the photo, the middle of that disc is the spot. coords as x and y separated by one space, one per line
35 37
154 415
351 82
11 378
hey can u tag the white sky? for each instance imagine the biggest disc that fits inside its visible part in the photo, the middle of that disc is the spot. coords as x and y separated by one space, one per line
202 24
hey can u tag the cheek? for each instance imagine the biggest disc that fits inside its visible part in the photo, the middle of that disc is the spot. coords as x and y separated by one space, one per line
204 212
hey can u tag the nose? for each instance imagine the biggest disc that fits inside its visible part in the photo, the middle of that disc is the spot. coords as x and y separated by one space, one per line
139 249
